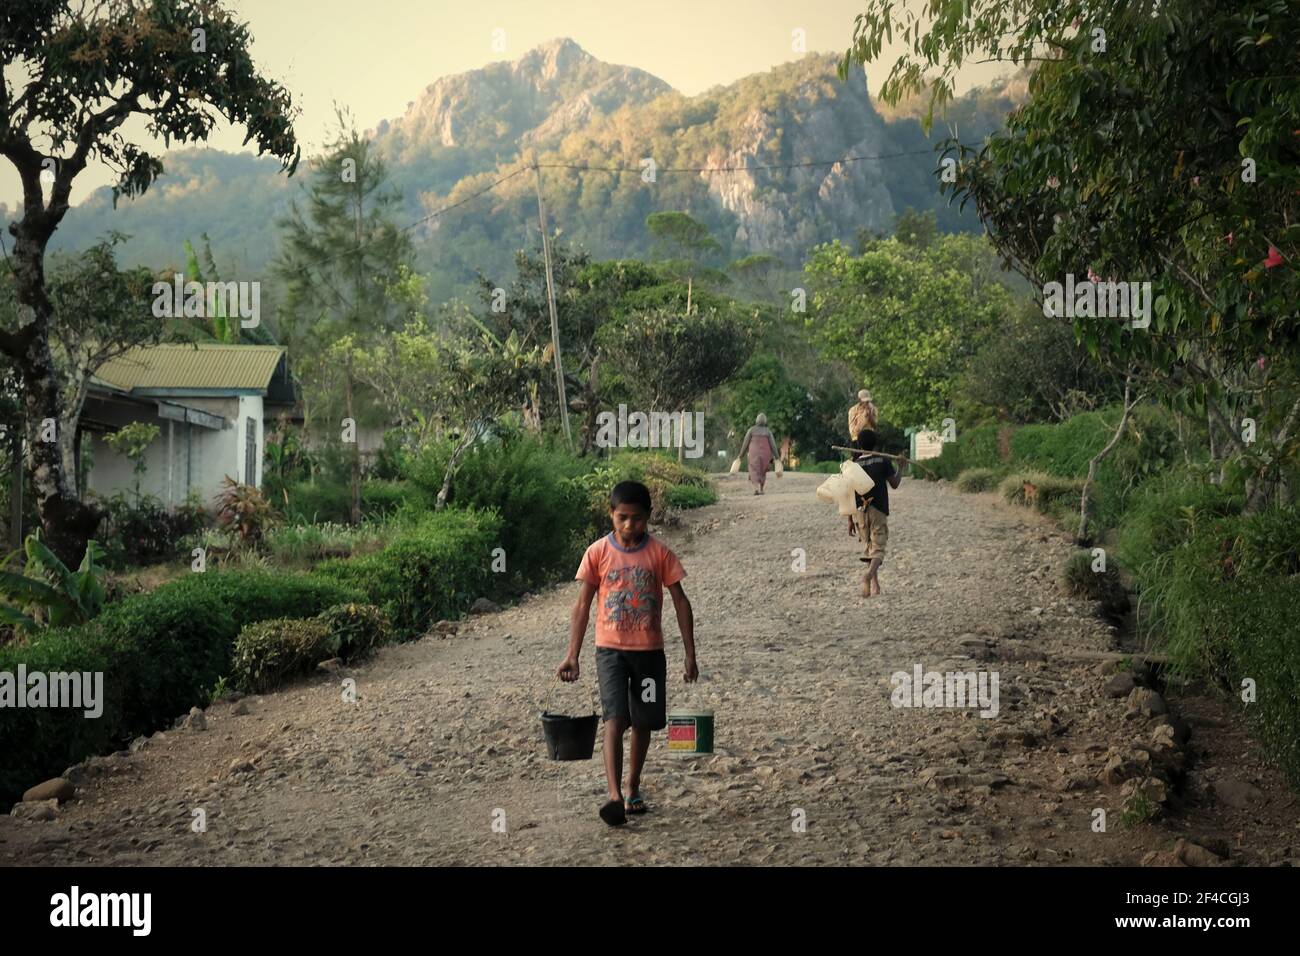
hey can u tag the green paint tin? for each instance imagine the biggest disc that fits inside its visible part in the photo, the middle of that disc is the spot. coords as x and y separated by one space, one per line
690 732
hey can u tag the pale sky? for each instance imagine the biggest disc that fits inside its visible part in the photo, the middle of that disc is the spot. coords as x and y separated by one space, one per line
377 56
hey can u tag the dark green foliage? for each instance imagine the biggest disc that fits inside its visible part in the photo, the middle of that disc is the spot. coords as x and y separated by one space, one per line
690 496
526 482
433 569
1161 515
1222 592
174 642
256 595
270 652
324 500
976 447
159 653
38 743
360 628
145 531
1081 580
382 498
763 386
317 502
1148 447
1034 371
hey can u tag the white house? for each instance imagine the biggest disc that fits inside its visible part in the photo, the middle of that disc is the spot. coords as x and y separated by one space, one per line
209 401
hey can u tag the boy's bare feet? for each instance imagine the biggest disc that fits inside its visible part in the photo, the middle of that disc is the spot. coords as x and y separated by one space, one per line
866 588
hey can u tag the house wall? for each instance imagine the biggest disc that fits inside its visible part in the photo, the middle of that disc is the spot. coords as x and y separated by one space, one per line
199 457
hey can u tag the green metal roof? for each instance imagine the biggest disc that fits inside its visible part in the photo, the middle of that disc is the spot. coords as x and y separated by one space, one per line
207 365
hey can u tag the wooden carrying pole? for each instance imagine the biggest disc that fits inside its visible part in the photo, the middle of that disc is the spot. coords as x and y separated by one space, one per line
859 451
550 301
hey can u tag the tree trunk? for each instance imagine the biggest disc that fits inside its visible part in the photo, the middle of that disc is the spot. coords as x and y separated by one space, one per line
67 523
589 397
354 509
452 464
1082 537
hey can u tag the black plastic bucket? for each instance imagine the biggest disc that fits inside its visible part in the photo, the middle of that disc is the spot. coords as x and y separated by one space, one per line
569 738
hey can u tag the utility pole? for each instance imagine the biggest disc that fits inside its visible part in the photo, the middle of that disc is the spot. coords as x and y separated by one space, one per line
550 301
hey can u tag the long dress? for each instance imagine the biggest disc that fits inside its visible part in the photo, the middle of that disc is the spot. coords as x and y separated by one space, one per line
762 449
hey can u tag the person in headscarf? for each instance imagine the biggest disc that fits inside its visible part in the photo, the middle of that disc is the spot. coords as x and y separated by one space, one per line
761 447
863 415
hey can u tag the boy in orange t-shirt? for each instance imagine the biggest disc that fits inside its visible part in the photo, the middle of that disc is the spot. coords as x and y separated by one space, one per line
629 568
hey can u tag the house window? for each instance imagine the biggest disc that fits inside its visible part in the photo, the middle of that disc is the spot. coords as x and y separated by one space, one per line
250 451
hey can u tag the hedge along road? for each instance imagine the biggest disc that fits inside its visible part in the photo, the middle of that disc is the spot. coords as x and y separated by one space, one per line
813 764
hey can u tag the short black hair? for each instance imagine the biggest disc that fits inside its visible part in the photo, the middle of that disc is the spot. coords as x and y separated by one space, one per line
630 493
867 440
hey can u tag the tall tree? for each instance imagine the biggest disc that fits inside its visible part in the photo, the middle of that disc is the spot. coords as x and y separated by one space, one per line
1158 145
685 244
345 267
89 67
906 321
100 312
668 359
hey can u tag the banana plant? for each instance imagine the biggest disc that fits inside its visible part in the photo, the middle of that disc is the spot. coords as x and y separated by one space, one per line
56 596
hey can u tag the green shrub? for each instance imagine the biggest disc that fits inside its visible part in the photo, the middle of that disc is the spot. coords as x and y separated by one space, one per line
144 531
821 467
309 543
1162 513
270 652
1081 580
360 629
978 447
1226 608
1148 447
381 499
690 496
433 569
528 483
974 480
1050 494
657 471
38 743
160 654
325 501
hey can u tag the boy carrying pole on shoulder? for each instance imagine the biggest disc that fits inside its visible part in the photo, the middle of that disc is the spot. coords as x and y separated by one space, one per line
873 511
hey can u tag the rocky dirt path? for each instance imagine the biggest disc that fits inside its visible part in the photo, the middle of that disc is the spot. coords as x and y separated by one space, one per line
445 739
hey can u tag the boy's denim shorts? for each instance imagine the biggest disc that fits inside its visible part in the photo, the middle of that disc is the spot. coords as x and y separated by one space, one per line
633 685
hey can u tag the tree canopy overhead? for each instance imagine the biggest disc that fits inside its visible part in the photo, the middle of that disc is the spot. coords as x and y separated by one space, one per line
1158 145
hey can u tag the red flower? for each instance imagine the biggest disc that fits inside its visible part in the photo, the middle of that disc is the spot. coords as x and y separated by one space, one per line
1274 258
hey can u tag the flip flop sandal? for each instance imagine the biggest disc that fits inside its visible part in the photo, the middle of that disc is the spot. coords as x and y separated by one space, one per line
613 813
635 806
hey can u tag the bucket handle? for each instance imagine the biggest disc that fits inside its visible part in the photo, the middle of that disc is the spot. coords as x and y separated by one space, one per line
556 683
693 695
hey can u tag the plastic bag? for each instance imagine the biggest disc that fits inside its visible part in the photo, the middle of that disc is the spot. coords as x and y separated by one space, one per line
735 467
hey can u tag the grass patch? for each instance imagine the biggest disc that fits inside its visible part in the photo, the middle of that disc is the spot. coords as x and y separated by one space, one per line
974 480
